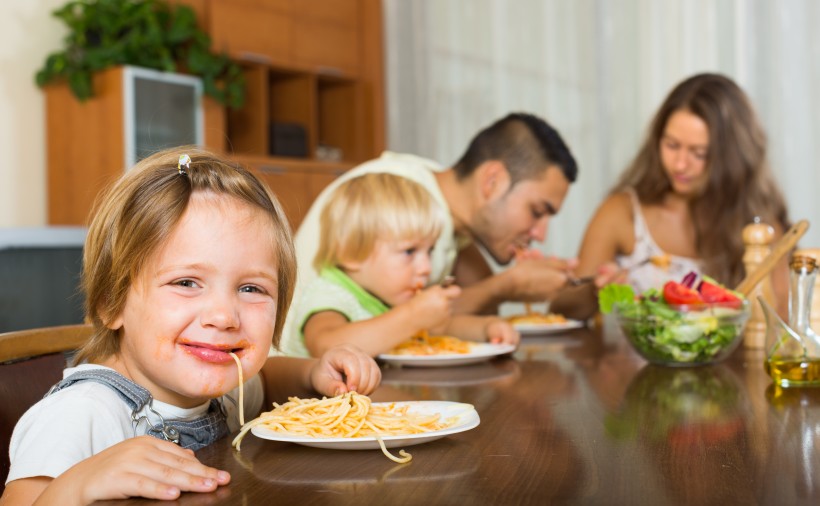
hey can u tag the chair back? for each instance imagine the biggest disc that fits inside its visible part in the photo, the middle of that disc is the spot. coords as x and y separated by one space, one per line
31 361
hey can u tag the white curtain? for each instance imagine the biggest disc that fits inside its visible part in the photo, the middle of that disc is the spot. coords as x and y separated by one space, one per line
597 70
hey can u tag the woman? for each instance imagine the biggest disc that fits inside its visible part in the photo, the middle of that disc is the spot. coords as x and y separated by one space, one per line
700 176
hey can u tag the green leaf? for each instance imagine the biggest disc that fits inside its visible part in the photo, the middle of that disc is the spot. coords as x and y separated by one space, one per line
615 294
147 33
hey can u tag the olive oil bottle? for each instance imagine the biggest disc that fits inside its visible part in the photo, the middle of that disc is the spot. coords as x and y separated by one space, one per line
793 350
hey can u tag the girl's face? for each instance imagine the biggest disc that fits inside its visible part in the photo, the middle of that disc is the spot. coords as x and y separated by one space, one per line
395 270
210 289
684 148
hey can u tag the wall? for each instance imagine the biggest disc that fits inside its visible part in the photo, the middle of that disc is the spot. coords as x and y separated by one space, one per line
597 70
29 34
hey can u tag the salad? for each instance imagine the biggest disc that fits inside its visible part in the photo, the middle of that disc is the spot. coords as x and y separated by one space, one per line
686 409
684 322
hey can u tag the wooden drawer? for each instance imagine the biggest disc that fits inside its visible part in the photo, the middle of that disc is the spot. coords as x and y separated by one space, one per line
327 47
249 32
339 12
295 185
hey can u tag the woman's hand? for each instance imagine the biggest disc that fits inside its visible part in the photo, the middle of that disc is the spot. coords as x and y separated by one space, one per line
608 273
343 369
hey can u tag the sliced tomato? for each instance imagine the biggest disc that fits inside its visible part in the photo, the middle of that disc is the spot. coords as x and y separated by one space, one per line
677 294
711 292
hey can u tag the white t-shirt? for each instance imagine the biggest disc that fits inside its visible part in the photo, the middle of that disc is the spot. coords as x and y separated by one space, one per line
86 418
420 170
643 276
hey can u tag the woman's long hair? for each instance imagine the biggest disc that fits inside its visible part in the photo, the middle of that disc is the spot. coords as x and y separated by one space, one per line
740 184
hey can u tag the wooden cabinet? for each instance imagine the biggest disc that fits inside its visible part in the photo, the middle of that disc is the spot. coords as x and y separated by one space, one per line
296 183
313 69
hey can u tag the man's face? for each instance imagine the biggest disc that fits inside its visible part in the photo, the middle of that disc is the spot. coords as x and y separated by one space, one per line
511 219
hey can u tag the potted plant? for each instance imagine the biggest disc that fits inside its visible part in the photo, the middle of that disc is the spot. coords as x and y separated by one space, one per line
146 33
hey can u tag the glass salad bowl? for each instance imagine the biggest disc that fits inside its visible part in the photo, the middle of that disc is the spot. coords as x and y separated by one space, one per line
683 335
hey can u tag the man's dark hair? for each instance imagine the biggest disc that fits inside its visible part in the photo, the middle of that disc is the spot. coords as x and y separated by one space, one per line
525 143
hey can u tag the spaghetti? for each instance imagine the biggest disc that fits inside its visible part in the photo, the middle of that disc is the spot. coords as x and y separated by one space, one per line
241 389
538 319
349 415
423 344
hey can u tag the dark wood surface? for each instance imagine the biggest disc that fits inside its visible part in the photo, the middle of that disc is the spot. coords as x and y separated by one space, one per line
576 418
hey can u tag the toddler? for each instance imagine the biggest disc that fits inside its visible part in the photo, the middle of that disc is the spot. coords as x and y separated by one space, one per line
377 233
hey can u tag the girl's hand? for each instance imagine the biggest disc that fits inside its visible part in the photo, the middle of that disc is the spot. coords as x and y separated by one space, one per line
343 369
433 306
500 331
143 466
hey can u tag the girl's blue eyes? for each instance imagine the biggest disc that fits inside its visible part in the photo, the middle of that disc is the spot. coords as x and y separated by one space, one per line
189 283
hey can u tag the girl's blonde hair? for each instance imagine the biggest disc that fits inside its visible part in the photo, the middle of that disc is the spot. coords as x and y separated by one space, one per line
135 216
373 207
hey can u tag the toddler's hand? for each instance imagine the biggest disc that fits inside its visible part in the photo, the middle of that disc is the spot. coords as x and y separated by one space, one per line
143 466
433 306
500 331
343 369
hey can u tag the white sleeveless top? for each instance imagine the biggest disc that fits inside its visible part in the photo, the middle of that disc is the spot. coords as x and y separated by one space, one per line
650 275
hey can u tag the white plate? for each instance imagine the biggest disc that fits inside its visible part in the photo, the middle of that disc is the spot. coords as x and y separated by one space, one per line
467 418
479 352
547 328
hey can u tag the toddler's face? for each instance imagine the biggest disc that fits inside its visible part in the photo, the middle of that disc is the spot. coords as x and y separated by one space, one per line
210 289
395 269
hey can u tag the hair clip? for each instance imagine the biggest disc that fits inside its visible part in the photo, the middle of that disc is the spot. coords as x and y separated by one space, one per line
184 164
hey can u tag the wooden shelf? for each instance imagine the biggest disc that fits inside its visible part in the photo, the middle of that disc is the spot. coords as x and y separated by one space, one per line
313 69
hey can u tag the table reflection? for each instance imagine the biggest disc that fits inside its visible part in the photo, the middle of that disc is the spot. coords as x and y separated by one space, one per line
577 418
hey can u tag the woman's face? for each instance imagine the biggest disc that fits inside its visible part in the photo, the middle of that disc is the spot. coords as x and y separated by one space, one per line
684 149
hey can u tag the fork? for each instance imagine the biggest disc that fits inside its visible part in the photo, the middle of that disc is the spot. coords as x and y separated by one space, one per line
661 261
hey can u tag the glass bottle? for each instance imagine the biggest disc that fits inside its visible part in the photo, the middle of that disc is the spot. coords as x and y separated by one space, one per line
793 350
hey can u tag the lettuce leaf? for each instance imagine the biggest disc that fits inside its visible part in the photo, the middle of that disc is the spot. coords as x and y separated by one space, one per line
615 294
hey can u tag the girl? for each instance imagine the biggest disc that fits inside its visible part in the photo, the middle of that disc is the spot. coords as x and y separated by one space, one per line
377 233
188 263
700 176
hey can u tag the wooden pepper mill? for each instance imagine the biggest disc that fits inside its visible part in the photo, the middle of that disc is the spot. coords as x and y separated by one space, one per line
758 238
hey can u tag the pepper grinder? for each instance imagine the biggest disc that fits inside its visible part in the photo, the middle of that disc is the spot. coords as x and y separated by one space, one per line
758 238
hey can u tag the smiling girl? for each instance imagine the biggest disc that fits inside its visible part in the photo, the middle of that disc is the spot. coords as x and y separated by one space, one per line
188 262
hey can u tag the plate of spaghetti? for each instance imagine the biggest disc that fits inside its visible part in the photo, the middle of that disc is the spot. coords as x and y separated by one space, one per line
540 323
415 353
352 422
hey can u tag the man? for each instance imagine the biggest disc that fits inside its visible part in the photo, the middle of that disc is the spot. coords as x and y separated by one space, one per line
500 196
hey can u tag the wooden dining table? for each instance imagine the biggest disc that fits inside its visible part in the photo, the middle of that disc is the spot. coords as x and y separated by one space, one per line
575 417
